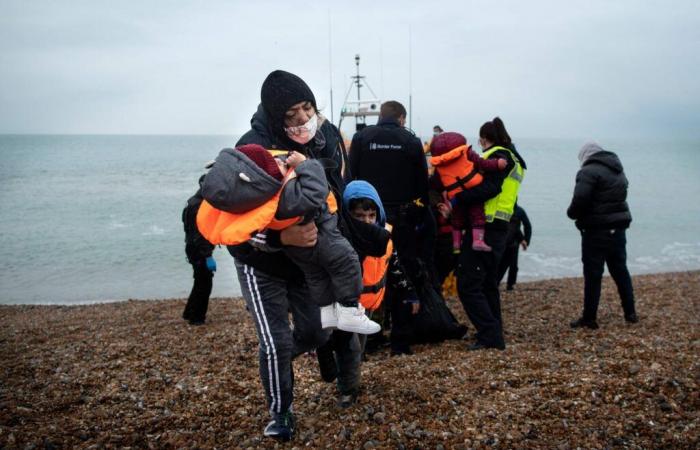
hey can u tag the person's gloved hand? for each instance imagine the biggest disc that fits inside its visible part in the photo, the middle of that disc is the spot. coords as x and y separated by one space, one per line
211 264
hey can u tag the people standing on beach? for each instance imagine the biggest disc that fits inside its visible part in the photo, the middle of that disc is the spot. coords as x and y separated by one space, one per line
477 271
199 253
599 207
271 284
519 235
391 158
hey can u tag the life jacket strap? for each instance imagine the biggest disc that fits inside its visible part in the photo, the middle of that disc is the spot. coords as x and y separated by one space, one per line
373 289
462 182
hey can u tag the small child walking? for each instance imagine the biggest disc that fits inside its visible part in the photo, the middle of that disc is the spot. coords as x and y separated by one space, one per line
383 274
459 168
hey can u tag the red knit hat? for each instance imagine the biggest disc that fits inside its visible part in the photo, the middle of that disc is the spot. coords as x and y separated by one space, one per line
444 142
262 158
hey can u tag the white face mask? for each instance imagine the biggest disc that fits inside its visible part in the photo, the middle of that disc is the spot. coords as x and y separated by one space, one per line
303 133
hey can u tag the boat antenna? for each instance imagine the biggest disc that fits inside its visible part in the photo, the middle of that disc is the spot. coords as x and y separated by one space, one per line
330 63
410 85
357 77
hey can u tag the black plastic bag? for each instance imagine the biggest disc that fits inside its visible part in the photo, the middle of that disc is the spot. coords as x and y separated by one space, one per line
434 321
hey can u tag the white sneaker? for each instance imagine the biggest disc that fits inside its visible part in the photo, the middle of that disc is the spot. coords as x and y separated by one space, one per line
329 319
354 320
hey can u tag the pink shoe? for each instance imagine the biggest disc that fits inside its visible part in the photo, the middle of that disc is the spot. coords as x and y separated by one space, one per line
478 243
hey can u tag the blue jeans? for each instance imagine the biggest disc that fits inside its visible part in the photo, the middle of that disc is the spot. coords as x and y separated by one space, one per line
600 247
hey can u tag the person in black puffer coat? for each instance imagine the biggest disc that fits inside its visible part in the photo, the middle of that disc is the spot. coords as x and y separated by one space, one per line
199 254
600 209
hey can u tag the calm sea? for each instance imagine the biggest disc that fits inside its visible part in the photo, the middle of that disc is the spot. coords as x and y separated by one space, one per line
97 218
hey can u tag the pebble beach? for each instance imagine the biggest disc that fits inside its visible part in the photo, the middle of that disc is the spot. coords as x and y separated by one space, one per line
133 374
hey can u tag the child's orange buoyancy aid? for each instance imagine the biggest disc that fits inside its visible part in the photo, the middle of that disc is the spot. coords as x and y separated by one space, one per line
374 271
456 171
225 228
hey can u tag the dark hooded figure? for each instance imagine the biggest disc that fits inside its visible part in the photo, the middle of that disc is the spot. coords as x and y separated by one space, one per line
288 119
199 253
600 209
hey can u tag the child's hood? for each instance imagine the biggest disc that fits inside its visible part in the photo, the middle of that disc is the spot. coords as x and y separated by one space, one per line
362 189
236 184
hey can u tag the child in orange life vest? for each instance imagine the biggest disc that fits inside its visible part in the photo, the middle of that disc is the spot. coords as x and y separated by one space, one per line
382 273
459 168
331 267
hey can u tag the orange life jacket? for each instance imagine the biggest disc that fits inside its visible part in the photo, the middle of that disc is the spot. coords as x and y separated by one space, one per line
374 271
456 171
225 228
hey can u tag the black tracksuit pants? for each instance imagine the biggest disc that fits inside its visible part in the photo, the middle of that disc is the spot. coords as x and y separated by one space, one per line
198 301
509 262
270 300
600 247
402 322
477 286
407 244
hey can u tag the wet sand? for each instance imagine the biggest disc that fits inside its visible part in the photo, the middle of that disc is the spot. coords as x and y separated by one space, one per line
134 374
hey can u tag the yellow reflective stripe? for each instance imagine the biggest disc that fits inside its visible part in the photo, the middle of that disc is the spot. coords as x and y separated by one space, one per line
501 206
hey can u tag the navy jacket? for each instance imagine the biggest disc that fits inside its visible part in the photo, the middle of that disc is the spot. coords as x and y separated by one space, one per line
390 158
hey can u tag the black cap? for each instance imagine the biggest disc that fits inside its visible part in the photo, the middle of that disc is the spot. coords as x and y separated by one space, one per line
280 91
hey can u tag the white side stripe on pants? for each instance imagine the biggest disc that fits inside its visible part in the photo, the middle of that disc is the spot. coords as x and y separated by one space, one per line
271 351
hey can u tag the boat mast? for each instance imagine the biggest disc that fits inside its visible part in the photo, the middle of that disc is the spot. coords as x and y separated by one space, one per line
330 63
410 81
359 109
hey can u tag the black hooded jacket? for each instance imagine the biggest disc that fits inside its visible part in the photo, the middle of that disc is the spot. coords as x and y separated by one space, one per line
600 195
328 148
390 158
197 248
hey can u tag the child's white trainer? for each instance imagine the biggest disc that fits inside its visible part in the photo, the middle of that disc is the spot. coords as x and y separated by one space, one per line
354 320
329 319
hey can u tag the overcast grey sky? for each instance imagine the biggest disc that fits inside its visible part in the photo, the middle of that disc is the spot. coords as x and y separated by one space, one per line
548 68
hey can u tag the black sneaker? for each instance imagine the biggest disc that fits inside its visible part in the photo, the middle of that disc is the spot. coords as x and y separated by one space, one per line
347 399
398 350
631 318
481 346
326 362
580 323
281 426
196 322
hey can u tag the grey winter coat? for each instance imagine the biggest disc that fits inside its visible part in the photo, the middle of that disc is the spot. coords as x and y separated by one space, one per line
600 195
236 184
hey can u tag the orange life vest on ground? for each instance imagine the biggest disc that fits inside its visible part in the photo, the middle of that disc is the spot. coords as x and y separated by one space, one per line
456 171
374 271
225 228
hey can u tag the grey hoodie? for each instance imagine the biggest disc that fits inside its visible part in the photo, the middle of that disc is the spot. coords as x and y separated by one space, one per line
589 148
